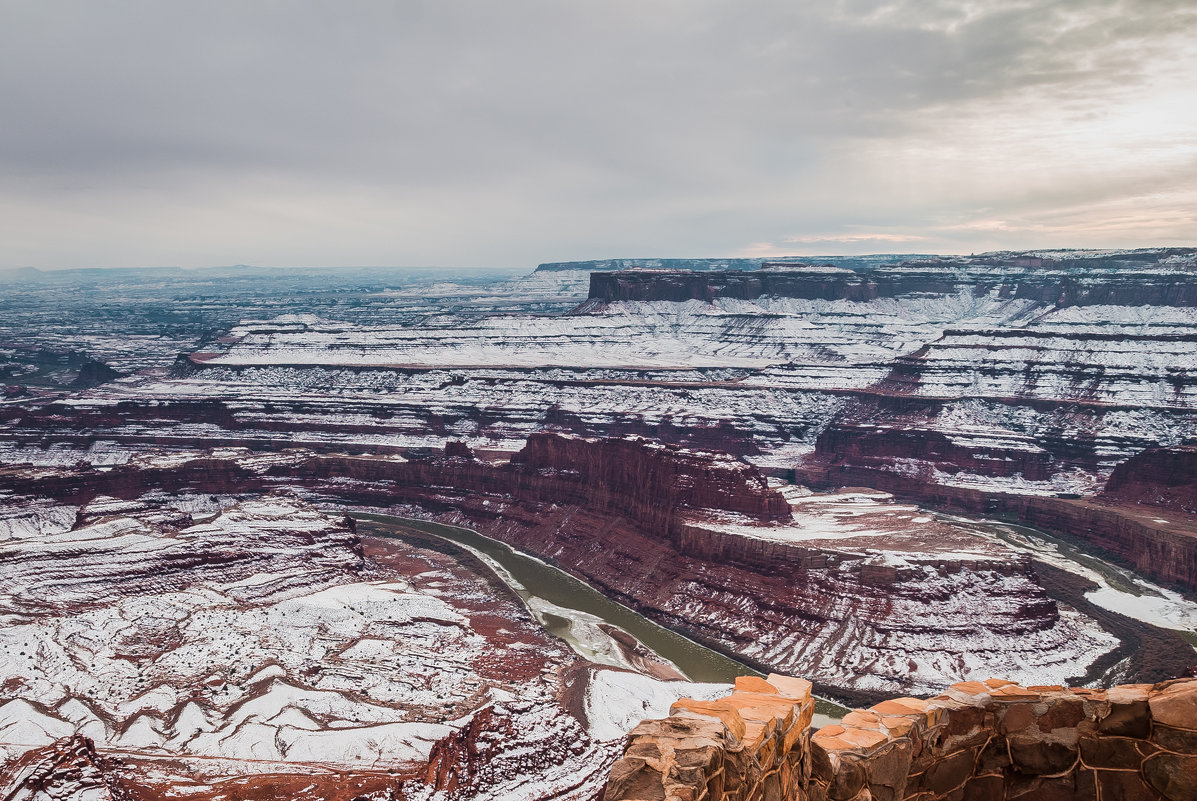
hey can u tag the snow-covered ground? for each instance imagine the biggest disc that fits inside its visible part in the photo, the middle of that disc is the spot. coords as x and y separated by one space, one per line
862 521
658 335
618 700
261 641
1118 589
956 604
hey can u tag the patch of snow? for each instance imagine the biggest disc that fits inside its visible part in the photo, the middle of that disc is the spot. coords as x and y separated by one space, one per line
616 700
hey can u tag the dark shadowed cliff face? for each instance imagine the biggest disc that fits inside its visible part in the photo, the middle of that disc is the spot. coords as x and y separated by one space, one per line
823 283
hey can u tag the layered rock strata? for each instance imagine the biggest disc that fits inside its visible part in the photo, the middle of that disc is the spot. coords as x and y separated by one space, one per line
980 740
1142 519
193 644
1064 279
867 596
752 744
1036 373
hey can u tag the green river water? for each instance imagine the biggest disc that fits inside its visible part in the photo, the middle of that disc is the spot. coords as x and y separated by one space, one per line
531 578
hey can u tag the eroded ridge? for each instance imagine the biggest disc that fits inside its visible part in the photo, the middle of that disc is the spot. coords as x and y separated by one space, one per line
265 650
980 741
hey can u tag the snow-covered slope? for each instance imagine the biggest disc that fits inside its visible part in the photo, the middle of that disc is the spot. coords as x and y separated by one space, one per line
265 642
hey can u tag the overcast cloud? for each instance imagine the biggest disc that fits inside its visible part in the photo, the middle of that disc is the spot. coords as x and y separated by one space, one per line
403 132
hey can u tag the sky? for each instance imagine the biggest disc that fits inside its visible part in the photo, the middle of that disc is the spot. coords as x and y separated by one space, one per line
455 133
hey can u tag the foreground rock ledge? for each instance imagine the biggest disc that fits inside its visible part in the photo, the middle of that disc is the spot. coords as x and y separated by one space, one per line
979 741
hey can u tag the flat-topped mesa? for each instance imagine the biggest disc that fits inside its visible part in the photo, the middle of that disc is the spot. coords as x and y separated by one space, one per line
649 481
1160 277
979 740
793 281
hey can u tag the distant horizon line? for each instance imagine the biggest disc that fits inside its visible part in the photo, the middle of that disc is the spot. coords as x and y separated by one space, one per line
494 268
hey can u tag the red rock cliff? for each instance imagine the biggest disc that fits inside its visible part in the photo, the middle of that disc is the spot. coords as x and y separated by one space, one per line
1165 477
649 481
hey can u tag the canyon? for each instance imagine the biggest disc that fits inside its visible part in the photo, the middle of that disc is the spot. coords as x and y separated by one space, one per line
885 475
177 643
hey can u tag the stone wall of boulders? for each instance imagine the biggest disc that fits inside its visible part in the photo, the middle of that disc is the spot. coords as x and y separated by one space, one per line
979 741
753 745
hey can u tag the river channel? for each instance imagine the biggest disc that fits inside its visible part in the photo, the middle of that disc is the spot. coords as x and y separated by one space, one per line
554 597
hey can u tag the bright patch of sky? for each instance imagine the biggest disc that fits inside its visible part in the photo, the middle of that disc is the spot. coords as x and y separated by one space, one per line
460 133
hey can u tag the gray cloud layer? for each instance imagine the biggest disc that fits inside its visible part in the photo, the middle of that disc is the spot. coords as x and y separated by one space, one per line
504 133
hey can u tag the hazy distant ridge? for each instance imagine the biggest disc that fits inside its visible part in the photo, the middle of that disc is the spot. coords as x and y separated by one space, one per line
704 265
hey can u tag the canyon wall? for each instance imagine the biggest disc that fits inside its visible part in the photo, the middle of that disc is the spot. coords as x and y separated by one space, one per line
648 480
827 283
1033 373
650 483
697 542
1060 282
979 741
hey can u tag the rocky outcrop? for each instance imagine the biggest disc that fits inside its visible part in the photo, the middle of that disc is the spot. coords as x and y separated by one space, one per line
458 449
752 744
980 740
1161 547
1161 477
93 373
69 769
647 481
827 283
455 761
505 744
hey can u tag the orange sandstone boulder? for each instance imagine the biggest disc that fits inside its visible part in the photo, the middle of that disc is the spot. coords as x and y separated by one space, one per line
791 687
1175 704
